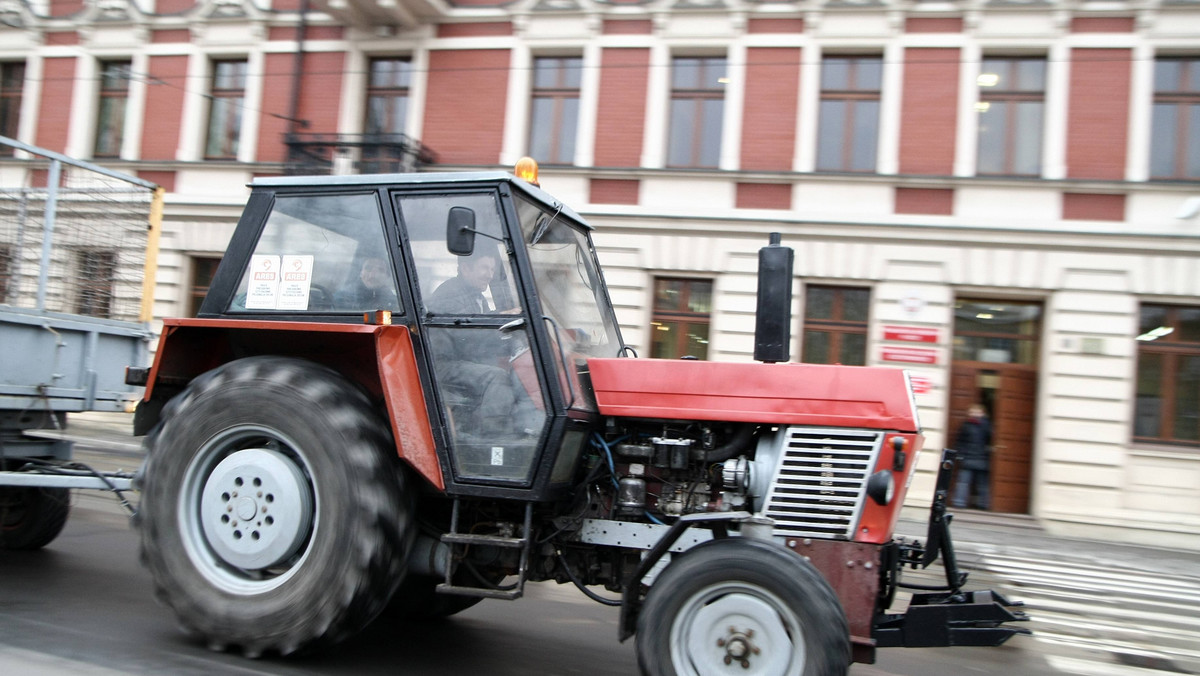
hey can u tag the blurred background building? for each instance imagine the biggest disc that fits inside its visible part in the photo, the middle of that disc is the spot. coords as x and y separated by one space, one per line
1000 196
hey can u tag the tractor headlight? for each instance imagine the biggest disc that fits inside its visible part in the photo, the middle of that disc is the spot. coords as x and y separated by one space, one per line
882 487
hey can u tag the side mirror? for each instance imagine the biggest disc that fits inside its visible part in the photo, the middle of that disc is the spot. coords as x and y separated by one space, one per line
460 231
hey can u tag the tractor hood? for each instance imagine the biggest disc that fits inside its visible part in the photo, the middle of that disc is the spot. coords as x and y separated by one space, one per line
782 394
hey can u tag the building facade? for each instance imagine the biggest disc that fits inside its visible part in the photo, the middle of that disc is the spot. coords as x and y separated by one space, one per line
1000 196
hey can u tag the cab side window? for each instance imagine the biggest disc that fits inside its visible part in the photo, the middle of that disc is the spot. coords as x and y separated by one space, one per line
320 254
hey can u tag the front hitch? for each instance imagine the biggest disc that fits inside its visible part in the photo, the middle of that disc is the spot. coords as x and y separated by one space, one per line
945 616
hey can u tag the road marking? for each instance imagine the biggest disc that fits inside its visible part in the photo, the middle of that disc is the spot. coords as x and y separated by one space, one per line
1072 665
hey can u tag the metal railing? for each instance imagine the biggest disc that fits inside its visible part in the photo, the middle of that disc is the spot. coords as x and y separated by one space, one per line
354 154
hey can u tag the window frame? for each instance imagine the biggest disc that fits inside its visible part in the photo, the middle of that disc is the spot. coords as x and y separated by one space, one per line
1010 98
12 90
199 287
682 317
563 133
1171 348
396 94
698 145
231 122
852 95
836 325
1183 99
114 77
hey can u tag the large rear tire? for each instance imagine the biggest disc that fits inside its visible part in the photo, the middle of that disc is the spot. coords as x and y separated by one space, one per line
745 605
275 515
30 518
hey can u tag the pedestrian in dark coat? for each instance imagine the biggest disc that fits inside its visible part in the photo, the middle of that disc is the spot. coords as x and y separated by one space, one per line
974 446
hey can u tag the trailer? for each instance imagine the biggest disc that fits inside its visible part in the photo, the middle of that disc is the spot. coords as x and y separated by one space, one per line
78 244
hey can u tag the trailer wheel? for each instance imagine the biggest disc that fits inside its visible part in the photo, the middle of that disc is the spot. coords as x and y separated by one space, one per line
743 604
275 515
30 518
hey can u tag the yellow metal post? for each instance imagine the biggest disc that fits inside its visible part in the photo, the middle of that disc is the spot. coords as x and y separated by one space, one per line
152 237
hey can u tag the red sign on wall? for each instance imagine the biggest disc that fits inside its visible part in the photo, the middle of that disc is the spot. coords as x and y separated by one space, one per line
920 384
910 355
911 334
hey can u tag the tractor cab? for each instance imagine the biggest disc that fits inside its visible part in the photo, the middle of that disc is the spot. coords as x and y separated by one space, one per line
496 282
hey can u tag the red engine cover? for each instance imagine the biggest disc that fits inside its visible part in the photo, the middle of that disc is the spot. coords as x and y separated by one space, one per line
783 394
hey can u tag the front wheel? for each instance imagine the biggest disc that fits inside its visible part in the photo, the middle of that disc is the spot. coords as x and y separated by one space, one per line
274 511
744 605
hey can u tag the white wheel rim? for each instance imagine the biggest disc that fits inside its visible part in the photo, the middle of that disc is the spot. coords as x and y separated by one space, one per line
247 510
737 628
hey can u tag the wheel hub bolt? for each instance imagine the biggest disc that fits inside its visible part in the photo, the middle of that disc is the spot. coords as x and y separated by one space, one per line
738 647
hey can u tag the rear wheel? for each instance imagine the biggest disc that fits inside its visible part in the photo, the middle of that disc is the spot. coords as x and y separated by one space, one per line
744 604
30 518
275 515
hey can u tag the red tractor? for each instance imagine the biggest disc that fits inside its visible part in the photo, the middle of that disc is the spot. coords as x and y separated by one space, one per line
408 393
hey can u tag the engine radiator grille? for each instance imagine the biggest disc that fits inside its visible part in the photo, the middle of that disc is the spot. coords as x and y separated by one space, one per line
820 481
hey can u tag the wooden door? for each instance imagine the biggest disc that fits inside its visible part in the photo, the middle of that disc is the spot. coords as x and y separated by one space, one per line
1008 392
1012 439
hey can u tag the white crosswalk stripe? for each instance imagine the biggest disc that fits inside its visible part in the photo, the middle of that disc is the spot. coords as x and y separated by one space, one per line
1147 623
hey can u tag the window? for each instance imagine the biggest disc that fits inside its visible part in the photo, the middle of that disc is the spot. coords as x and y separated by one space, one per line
555 109
203 270
679 326
1011 98
6 271
996 331
849 114
387 96
321 254
110 120
1175 123
225 114
835 325
1168 375
697 112
12 83
96 282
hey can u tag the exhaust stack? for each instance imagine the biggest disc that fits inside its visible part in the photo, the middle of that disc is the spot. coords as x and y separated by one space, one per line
773 317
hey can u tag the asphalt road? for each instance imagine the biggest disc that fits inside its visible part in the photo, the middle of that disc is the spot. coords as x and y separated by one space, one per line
83 605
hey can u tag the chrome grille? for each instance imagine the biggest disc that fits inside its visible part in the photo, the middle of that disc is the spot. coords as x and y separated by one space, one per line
821 480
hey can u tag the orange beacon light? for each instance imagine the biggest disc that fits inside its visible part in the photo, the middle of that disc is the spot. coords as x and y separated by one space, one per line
526 169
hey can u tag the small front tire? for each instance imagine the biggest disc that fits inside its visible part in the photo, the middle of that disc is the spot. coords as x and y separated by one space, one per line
30 518
742 603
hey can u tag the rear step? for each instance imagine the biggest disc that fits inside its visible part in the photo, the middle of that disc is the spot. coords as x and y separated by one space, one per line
454 540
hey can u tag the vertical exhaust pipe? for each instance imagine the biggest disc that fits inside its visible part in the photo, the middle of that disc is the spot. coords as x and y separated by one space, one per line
773 316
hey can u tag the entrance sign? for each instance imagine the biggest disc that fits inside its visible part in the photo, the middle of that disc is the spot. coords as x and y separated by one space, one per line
911 334
910 355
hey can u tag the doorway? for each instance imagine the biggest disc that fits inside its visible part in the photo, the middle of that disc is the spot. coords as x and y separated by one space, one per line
995 364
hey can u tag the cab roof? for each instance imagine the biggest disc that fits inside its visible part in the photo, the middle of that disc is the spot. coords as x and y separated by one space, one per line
431 178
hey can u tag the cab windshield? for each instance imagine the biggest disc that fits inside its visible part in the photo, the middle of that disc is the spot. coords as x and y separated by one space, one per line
568 282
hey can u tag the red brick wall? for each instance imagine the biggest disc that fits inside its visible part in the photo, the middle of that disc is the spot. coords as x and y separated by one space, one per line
621 112
171 35
929 111
320 94
934 201
65 7
1098 113
769 119
627 27
165 179
933 25
464 108
1088 207
164 107
1102 24
775 26
62 38
613 191
474 30
173 6
764 196
54 115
